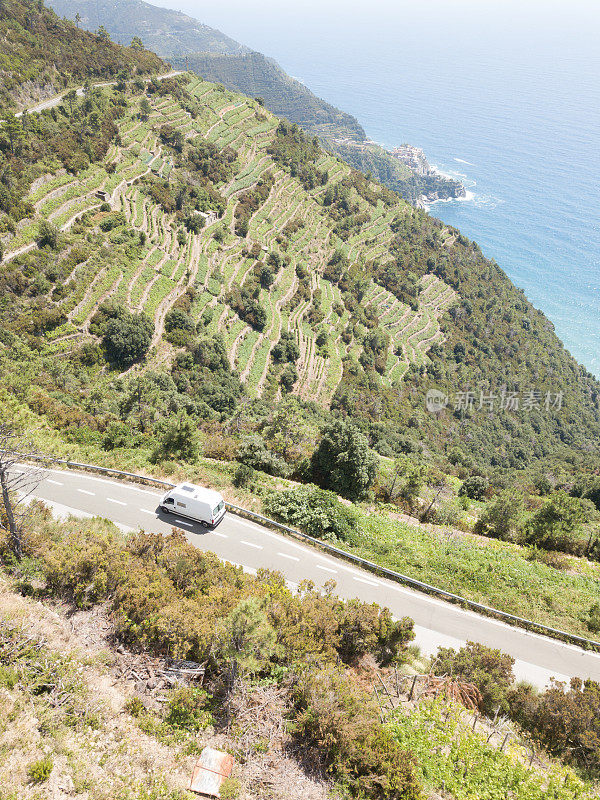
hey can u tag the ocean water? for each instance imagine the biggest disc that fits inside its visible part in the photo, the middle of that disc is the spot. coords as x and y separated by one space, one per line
503 95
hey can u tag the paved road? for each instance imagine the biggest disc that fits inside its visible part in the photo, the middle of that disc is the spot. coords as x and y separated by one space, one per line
251 546
57 99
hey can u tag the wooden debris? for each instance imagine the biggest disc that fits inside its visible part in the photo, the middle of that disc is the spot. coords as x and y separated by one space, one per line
210 771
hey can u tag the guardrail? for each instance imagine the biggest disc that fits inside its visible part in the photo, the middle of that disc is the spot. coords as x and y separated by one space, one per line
488 611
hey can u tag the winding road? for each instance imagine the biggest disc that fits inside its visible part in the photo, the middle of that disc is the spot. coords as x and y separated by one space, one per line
51 102
251 546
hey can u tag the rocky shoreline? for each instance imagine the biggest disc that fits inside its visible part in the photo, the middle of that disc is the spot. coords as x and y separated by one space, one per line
438 186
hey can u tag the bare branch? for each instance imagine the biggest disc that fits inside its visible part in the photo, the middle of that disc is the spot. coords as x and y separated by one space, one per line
18 482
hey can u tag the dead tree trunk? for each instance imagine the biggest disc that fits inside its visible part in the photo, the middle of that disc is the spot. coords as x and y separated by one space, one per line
18 481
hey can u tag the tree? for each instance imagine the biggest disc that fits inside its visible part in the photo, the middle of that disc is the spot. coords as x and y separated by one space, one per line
102 33
179 440
566 722
12 130
145 108
17 484
247 642
502 517
78 19
406 481
555 524
288 432
127 338
474 487
136 43
71 98
48 235
343 461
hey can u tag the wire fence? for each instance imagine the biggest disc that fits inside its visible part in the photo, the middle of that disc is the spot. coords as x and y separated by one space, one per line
377 569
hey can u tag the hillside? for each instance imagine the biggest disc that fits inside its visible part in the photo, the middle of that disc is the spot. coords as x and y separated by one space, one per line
40 54
255 75
168 33
311 278
189 44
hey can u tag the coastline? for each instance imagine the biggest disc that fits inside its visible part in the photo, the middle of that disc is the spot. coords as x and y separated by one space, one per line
466 198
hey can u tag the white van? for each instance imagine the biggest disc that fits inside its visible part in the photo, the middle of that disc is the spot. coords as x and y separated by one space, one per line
195 502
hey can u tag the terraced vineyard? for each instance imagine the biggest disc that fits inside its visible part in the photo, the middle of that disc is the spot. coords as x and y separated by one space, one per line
292 222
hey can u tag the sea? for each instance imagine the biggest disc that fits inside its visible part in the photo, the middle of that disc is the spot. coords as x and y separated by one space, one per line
503 95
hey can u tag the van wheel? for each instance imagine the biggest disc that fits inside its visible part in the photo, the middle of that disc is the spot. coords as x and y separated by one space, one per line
166 510
204 524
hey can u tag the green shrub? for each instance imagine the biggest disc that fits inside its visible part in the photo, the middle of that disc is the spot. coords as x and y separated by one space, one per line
242 476
187 710
8 677
178 440
48 235
254 453
593 618
342 721
316 511
556 525
502 517
490 670
565 721
230 789
474 487
134 706
127 337
40 770
343 461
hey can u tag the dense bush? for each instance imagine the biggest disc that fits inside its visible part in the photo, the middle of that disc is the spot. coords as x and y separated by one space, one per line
503 516
286 348
179 440
343 462
564 720
474 487
556 525
490 670
187 709
315 511
127 338
246 304
254 453
167 595
340 719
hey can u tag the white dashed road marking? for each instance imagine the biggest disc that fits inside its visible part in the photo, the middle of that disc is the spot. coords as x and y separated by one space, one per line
251 544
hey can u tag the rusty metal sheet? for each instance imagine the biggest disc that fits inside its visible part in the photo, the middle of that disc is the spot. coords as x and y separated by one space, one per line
210 771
